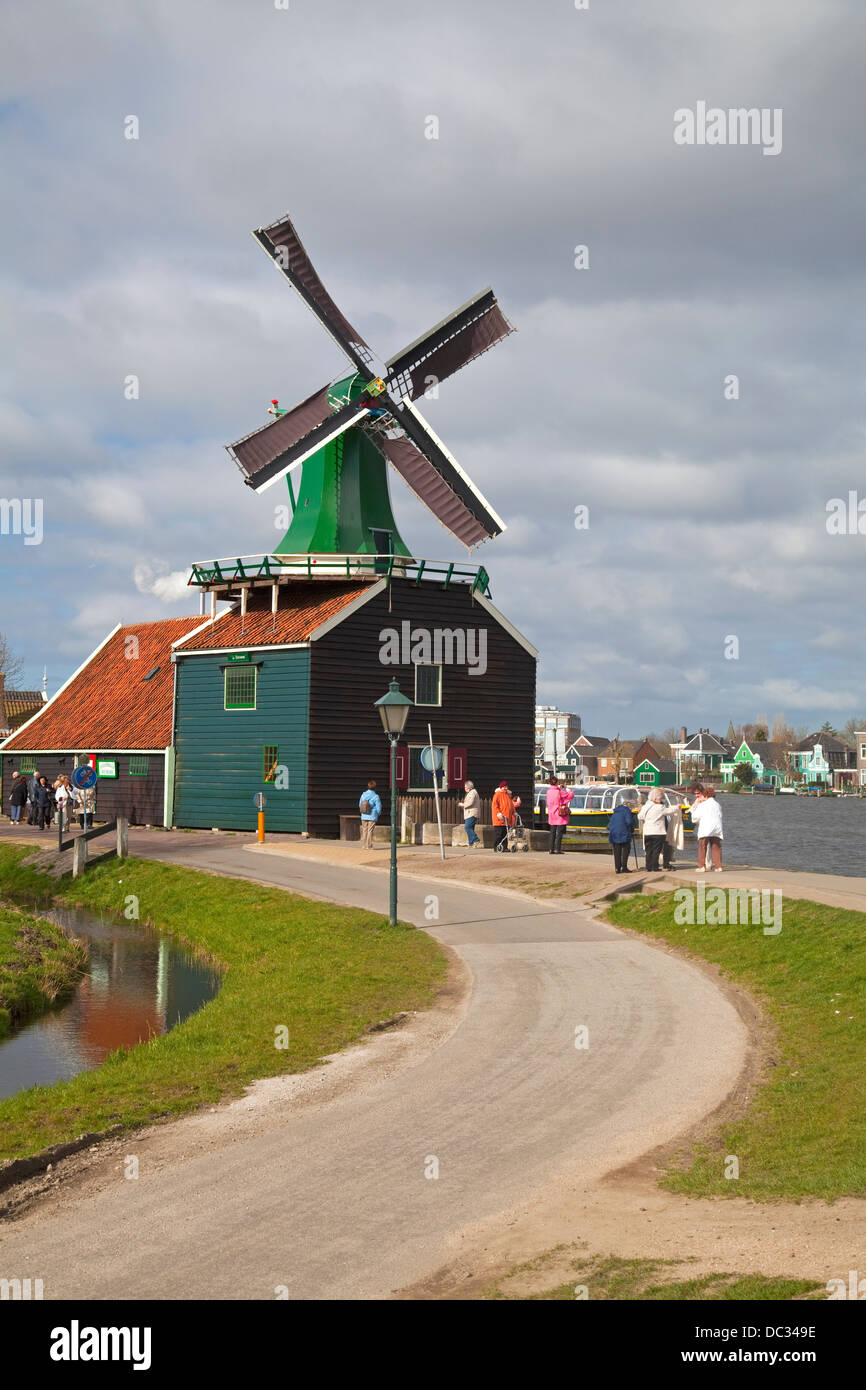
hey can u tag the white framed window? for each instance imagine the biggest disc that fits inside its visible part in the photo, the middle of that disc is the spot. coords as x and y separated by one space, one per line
428 684
647 777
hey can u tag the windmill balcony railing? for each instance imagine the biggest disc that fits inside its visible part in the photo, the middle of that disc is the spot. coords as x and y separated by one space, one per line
268 569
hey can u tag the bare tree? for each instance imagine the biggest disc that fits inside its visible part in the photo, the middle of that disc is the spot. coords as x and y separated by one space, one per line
10 665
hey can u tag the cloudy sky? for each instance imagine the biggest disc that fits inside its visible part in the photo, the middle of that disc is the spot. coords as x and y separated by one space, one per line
707 516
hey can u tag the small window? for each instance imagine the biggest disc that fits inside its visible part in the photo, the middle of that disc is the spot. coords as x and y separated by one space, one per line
240 689
150 675
138 766
420 780
428 685
647 777
270 761
27 765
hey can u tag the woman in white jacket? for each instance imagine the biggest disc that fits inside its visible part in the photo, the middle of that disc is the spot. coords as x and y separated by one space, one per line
706 814
471 804
653 816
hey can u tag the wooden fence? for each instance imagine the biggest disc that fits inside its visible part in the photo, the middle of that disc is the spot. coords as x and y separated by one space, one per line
423 808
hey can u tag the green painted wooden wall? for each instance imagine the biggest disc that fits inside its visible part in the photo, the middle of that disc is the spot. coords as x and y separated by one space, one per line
220 752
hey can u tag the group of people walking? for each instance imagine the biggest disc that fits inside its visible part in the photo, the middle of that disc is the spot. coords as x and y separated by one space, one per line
36 801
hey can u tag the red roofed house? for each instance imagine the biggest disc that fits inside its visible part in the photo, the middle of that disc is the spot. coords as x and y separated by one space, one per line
16 706
116 709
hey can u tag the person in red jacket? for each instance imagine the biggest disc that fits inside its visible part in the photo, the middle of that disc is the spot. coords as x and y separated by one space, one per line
504 812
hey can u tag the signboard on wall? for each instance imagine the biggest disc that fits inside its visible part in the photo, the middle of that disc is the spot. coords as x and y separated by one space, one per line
106 767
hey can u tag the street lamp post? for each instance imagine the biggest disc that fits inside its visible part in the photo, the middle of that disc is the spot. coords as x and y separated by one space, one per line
394 711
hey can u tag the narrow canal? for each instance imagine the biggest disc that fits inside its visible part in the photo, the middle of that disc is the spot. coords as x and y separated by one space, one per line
139 984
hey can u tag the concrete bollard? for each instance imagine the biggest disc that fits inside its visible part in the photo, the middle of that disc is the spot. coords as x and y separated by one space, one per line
430 832
79 857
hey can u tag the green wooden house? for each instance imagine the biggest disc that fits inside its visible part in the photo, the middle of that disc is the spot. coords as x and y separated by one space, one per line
655 772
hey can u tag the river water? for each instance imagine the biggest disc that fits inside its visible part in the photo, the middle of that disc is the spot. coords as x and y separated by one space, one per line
820 835
139 985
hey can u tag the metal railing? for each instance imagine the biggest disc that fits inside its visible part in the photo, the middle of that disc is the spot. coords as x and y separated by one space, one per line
248 568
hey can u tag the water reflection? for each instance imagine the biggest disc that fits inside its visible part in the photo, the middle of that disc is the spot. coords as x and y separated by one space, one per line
138 986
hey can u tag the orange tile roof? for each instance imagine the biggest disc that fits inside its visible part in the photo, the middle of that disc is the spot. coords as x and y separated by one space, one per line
20 705
302 608
109 704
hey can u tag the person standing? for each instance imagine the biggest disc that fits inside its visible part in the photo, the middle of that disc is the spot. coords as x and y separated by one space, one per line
558 812
32 784
707 816
370 806
504 813
619 832
653 816
471 805
85 803
63 798
17 797
44 803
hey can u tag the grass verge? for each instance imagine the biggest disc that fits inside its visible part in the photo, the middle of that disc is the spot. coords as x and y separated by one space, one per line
40 965
606 1278
325 973
804 1134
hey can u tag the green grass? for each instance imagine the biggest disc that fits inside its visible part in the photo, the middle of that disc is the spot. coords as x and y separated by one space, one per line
326 973
804 1134
609 1278
40 965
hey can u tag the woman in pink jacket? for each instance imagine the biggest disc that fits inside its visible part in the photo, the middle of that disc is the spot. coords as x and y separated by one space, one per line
558 813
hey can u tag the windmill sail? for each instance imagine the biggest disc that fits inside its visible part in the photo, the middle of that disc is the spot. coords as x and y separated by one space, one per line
435 476
337 423
285 248
472 329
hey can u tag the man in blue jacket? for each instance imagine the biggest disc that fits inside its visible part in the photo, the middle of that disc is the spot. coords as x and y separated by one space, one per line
370 806
619 832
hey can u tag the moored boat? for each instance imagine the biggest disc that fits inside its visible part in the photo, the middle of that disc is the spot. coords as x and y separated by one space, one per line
593 805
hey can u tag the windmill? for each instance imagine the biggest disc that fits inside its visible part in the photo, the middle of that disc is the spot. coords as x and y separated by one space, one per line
344 436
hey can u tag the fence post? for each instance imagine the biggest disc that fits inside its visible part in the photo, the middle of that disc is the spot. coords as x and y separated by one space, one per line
122 838
79 857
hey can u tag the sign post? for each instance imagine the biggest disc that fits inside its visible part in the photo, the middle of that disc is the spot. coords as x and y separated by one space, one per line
84 780
260 801
431 759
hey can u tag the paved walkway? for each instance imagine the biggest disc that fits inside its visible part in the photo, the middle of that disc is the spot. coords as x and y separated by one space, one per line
355 1188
